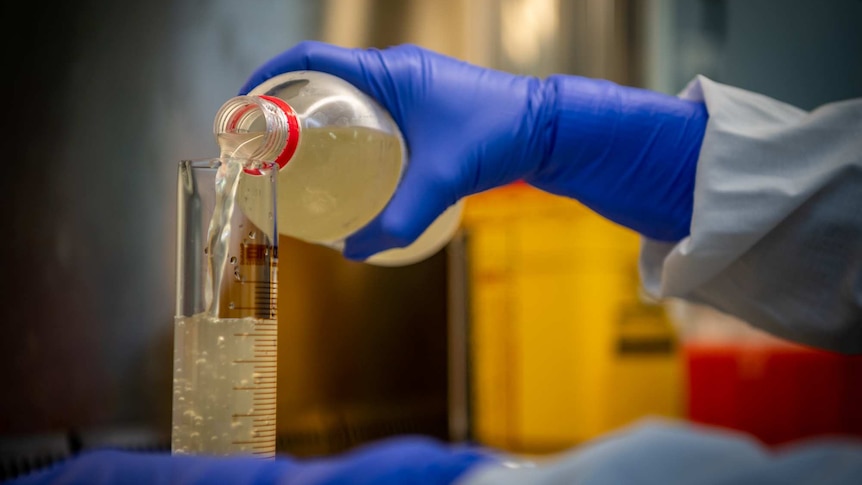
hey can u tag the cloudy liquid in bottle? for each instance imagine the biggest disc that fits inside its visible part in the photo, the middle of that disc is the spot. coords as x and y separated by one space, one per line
336 182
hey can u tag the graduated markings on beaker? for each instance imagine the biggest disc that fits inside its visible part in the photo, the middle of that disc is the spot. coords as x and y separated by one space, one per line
259 297
263 391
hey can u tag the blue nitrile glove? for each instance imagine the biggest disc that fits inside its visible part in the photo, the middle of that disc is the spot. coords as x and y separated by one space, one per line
402 460
629 154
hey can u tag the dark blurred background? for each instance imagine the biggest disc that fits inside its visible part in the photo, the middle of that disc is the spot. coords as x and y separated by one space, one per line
104 98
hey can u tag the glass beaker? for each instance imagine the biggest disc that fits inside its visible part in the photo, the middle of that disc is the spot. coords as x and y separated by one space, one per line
224 387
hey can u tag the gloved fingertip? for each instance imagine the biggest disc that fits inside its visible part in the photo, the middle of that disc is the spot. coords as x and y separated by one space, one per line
293 59
355 255
314 55
367 242
257 78
247 87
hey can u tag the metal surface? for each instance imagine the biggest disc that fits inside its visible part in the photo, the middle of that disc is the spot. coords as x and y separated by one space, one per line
105 103
362 349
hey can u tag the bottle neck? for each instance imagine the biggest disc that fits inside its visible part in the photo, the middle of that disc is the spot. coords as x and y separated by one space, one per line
262 128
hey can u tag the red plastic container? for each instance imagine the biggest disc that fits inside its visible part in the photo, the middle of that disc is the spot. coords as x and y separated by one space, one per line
778 393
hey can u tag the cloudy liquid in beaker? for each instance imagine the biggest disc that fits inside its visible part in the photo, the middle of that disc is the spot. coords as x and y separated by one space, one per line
224 386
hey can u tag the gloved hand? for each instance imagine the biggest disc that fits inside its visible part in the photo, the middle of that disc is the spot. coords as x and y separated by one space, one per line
402 460
629 154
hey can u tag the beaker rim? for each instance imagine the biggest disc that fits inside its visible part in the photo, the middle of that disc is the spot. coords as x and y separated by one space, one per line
252 166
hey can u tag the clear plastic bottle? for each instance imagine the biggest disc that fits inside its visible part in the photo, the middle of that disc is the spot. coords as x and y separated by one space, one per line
341 157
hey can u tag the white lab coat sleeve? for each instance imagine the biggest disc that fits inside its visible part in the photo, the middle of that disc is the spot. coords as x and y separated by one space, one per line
658 452
776 230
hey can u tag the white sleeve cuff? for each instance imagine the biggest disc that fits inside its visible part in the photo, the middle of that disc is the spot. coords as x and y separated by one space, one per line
765 169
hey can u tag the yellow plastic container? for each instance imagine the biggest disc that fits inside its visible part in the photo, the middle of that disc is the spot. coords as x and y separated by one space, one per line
564 346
